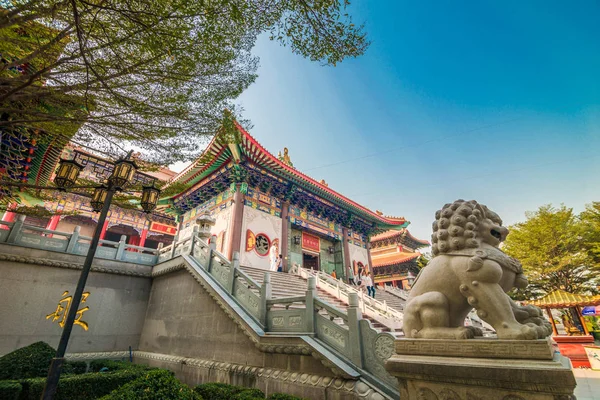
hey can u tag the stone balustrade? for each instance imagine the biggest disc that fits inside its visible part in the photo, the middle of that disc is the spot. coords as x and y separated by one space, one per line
345 332
21 234
377 310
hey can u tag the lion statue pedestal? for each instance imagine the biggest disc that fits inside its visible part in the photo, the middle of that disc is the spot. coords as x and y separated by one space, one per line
440 358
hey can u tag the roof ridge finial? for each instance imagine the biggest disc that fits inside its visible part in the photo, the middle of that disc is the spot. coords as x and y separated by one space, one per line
285 158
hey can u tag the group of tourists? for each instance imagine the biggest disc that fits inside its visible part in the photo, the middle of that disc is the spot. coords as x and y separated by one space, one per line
364 281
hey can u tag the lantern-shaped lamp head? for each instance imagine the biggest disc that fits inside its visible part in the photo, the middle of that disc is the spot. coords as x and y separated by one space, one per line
67 174
149 198
122 173
98 198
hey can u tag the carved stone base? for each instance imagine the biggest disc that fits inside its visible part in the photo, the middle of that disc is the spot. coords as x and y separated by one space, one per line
480 369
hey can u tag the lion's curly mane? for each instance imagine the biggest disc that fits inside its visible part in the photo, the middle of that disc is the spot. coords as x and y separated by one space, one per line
455 226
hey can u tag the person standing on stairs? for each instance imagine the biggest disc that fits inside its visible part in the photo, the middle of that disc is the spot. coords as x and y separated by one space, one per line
280 263
368 282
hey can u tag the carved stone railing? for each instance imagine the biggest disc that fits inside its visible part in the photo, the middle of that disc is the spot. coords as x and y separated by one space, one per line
375 309
402 294
21 234
344 332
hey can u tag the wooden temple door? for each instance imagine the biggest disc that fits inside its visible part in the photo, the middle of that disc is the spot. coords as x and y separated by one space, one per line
310 261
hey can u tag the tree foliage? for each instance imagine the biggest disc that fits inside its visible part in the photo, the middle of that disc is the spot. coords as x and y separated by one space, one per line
155 74
556 248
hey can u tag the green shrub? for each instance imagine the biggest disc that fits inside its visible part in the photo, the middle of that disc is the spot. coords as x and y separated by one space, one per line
112 365
249 394
84 386
74 367
283 396
27 362
218 391
154 385
223 391
10 390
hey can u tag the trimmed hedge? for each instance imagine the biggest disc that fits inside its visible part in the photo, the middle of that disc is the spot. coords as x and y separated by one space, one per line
112 365
27 362
10 390
84 386
223 391
154 385
283 396
249 394
74 367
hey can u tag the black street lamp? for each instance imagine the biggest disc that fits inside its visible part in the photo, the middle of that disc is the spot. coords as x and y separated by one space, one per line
66 176
67 173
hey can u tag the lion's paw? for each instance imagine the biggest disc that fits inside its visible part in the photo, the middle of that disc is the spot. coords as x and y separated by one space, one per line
465 333
476 331
518 332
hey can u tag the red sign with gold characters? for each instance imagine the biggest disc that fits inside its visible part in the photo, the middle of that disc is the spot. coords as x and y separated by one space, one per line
310 242
162 228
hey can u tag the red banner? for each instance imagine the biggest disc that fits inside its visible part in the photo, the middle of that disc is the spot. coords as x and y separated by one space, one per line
162 228
310 242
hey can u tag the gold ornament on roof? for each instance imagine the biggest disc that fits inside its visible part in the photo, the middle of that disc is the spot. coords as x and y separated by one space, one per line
285 158
322 182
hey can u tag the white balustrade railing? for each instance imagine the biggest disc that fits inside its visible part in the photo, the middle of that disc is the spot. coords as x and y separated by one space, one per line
21 234
375 309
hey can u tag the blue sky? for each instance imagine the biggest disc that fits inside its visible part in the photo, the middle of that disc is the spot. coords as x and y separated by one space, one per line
493 101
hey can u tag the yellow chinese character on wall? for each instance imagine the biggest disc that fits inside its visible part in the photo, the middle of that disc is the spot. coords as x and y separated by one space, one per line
62 310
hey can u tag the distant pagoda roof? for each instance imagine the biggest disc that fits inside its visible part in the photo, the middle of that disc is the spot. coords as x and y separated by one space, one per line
393 258
403 236
560 298
220 152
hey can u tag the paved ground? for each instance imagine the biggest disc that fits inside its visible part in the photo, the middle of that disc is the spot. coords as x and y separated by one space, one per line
588 384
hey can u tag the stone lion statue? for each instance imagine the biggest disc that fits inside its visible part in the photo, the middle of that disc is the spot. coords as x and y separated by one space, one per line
468 271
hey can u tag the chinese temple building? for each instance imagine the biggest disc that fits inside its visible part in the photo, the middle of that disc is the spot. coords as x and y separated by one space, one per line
264 207
395 255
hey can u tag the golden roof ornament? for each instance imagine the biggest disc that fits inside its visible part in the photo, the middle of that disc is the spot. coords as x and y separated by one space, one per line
322 182
285 158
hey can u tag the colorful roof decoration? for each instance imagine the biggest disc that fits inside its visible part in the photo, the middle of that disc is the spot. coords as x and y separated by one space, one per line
560 299
402 236
393 258
246 150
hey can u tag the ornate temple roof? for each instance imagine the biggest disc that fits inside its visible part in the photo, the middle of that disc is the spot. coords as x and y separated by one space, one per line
220 152
393 258
404 235
560 299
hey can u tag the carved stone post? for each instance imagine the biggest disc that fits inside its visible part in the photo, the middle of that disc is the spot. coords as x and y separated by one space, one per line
73 239
265 294
174 244
311 293
15 231
121 247
195 230
235 264
354 315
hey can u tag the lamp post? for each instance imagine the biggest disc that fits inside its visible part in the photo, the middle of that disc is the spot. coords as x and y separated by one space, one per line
66 177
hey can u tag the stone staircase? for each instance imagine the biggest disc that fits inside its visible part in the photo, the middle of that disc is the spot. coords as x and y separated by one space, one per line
289 285
390 299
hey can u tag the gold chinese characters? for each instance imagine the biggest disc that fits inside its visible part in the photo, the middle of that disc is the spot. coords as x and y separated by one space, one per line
62 310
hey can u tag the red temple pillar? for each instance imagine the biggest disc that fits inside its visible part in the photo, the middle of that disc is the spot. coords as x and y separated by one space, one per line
8 216
53 223
346 255
371 269
143 238
236 225
285 226
103 231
